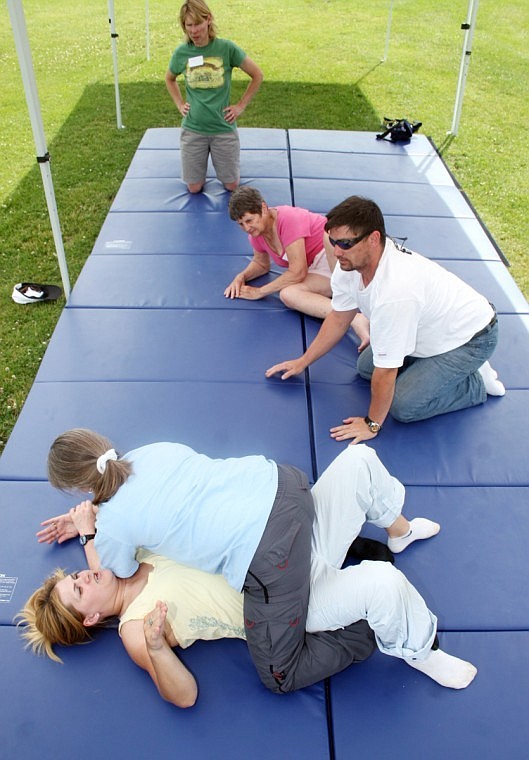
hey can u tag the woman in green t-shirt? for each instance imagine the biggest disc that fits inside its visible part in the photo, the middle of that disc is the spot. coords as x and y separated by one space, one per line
209 120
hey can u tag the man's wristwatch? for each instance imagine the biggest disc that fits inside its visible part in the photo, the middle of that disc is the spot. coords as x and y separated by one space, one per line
375 427
83 540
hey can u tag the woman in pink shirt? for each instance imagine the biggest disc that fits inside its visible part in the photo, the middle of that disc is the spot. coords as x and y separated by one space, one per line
293 238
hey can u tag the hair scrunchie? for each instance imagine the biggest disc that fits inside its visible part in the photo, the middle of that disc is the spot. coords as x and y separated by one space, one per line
101 463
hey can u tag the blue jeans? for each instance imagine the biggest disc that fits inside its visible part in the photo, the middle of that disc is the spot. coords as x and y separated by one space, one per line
438 384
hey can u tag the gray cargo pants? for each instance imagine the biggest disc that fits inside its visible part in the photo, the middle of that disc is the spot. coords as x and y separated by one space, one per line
276 595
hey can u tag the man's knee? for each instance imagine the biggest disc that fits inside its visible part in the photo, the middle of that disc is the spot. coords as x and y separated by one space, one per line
404 410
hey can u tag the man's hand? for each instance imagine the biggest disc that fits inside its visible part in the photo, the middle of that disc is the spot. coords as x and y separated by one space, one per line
60 528
154 627
355 428
288 368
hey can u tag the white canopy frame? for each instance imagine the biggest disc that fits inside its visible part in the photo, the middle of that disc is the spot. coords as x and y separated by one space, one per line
114 44
468 27
18 22
388 31
113 41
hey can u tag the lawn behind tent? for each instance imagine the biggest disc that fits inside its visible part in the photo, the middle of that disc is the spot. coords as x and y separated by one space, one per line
323 70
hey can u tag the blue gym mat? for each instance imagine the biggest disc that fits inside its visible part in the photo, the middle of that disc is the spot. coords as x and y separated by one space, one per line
148 348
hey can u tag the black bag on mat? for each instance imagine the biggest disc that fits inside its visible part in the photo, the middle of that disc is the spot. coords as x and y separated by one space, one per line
399 130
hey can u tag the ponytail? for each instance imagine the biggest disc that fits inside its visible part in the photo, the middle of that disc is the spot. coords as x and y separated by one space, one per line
82 459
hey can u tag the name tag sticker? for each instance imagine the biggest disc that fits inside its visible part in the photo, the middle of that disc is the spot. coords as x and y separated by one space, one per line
197 60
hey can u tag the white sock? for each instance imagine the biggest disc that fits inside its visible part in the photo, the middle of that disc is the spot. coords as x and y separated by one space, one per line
420 528
493 386
445 669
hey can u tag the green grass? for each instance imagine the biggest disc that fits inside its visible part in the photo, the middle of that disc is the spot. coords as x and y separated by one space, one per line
322 67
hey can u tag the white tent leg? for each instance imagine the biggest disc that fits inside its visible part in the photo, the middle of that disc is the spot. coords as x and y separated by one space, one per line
113 38
388 31
465 60
18 22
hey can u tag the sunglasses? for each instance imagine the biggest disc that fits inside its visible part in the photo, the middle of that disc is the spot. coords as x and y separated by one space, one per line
346 243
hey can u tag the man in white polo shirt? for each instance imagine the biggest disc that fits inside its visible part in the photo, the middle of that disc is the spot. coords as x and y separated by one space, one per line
431 333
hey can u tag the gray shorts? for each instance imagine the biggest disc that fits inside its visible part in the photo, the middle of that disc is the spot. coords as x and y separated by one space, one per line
195 148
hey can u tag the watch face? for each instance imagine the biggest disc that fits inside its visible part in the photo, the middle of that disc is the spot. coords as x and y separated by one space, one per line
82 540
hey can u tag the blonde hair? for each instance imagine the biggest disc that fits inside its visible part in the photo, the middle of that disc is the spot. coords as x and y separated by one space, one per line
198 11
47 621
72 464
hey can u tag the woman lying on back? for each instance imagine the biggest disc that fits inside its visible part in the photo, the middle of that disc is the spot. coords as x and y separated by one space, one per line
354 489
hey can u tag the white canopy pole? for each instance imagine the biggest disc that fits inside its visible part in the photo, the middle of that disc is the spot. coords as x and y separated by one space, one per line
147 32
388 31
18 22
465 60
113 37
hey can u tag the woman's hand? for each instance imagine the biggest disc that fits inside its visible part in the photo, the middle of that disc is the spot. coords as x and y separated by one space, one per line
154 627
151 650
234 288
249 293
59 529
360 325
84 517
231 113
